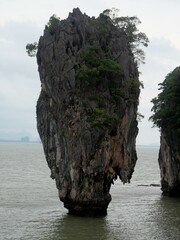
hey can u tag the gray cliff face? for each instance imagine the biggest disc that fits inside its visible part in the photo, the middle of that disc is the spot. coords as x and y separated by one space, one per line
169 162
87 110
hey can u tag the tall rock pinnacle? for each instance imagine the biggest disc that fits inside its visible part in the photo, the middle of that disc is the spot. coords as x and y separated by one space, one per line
87 109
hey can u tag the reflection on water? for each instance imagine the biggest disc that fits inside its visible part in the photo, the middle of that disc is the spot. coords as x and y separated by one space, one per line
30 209
75 228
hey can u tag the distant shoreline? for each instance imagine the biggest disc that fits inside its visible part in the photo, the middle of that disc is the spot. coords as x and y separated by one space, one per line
148 145
17 141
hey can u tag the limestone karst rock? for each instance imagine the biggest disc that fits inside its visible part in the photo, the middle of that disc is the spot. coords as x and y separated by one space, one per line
166 116
169 162
87 109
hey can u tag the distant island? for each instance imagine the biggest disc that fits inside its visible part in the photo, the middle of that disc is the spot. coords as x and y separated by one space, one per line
22 140
25 139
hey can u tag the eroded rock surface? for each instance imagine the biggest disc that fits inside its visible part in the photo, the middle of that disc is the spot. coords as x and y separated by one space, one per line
87 109
169 162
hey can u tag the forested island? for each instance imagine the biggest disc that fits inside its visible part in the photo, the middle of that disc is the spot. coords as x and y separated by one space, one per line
166 116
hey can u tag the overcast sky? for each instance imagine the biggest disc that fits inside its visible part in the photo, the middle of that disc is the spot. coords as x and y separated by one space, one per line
23 22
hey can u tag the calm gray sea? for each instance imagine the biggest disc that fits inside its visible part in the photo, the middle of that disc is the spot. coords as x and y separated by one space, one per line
30 208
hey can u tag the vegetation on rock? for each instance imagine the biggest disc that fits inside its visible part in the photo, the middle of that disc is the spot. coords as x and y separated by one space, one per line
31 49
96 68
99 118
129 25
166 106
53 23
166 116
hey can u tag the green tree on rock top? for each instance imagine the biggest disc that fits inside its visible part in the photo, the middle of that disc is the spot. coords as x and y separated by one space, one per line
129 25
166 106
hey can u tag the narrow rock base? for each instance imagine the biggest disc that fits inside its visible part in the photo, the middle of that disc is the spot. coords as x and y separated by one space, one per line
88 209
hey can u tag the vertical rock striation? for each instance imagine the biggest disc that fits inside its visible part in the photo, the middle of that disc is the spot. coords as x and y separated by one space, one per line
169 162
87 109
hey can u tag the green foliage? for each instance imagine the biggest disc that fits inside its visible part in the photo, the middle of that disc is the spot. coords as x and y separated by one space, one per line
99 118
98 68
53 23
116 92
109 68
129 25
166 106
31 49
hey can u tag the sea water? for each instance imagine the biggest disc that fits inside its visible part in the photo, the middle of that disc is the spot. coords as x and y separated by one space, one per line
30 208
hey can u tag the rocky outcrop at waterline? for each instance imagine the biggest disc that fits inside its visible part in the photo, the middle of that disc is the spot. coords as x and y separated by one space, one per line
169 162
87 109
166 116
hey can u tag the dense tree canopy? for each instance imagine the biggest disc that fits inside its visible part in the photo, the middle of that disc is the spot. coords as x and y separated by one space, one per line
166 106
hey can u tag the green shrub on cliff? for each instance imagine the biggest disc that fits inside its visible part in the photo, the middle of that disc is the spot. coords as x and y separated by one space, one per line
99 118
31 49
129 25
166 106
98 68
53 23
